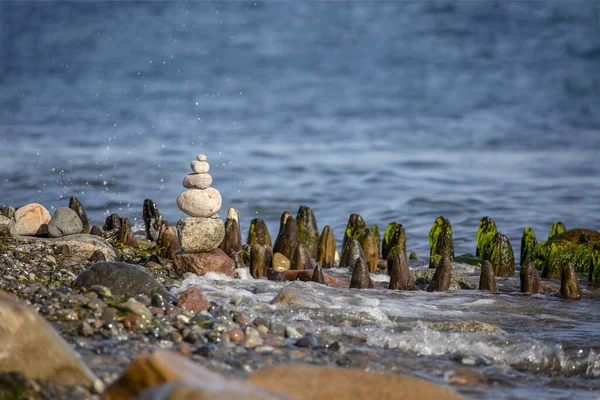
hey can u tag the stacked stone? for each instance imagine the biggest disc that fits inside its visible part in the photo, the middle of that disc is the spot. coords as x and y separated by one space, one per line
201 233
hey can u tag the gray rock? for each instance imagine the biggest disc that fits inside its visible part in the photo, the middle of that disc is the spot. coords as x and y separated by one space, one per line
81 244
352 252
122 279
137 308
200 234
64 222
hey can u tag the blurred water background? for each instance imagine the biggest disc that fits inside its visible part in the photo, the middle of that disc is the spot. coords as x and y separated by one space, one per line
400 111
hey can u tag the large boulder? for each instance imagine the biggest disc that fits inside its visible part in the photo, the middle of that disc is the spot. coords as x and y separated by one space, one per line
81 244
122 279
310 382
33 348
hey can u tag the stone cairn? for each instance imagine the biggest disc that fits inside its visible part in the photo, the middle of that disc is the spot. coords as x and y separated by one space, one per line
201 233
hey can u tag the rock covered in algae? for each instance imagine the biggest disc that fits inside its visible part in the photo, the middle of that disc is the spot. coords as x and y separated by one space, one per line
326 252
307 230
501 256
232 239
394 236
485 234
528 242
352 252
258 233
442 276
261 257
557 227
440 242
487 280
301 258
530 279
355 228
569 287
580 247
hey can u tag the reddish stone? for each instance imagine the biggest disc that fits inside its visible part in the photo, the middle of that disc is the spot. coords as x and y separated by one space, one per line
193 300
202 263
236 335
306 275
131 321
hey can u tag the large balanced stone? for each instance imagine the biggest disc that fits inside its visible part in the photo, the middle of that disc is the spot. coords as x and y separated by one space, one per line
64 222
202 263
33 348
30 220
171 376
200 234
200 203
122 279
197 181
311 382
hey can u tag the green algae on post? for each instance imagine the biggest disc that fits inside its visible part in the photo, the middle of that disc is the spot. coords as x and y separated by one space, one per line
395 235
307 230
258 233
371 250
355 228
485 234
557 227
528 242
502 257
440 242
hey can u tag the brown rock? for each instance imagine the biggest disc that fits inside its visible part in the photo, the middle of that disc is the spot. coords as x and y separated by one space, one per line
193 300
30 220
370 247
33 348
400 276
569 287
280 262
236 335
237 259
309 382
261 257
168 241
326 250
441 278
301 258
202 263
171 376
530 278
360 276
233 237
75 205
487 280
287 240
317 275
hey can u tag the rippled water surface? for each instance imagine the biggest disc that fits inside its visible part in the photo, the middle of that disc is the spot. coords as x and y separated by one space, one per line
398 111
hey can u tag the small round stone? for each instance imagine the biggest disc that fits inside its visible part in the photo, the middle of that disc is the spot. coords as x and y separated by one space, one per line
200 167
201 157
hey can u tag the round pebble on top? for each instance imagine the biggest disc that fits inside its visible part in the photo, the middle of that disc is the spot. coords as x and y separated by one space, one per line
201 157
200 167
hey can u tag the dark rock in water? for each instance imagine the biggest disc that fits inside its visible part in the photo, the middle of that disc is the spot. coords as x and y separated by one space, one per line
352 252
501 256
355 228
258 233
326 251
64 222
317 275
569 287
580 247
152 220
528 242
260 259
360 276
97 255
75 205
557 227
117 230
413 256
307 341
441 242
530 279
96 231
395 235
168 241
287 241
232 239
400 276
282 221
122 279
276 276
301 258
307 230
441 278
485 234
487 280
237 259
202 263
370 250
